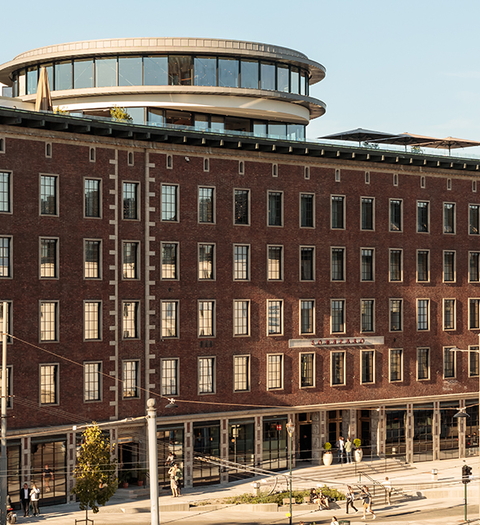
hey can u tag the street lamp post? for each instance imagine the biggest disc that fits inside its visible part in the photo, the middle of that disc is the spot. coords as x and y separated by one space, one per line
290 430
462 413
153 461
3 424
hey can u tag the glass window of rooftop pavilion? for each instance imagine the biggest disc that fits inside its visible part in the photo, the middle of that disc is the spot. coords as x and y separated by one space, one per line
32 80
227 72
130 71
63 75
155 71
249 74
205 71
106 72
267 76
180 70
83 74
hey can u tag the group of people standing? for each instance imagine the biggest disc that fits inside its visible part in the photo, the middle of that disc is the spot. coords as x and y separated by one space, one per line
29 497
345 449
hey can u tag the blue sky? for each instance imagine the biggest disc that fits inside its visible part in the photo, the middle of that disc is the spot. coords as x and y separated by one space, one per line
395 66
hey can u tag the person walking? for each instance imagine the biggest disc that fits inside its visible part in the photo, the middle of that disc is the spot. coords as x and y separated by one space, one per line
173 472
349 499
47 477
367 503
34 498
334 521
25 499
348 450
388 490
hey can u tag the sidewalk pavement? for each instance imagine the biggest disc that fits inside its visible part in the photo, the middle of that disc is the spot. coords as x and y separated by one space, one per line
433 510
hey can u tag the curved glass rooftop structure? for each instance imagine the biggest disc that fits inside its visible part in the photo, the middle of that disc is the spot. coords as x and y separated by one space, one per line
208 84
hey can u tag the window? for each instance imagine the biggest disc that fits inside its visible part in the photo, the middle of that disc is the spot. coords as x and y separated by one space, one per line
2 145
274 170
474 314
130 200
307 370
307 263
275 263
396 315
241 167
337 360
338 212
449 184
337 176
275 208
92 197
423 363
449 314
395 364
169 162
92 254
396 266
49 384
274 371
396 215
5 257
449 363
169 319
5 196
473 218
448 217
423 182
169 260
474 267
367 213
130 320
367 315
9 319
206 318
241 373
131 379
423 266
48 195
241 317
367 264
130 158
367 177
92 155
206 164
48 258
337 315
241 262
91 320
206 375
423 217
307 210
423 314
48 321
338 264
275 317
395 179
169 372
92 375
473 361
169 202
448 267
242 207
131 253
206 205
368 366
206 261
307 316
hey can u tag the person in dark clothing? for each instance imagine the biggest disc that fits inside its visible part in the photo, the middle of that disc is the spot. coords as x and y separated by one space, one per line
350 498
25 499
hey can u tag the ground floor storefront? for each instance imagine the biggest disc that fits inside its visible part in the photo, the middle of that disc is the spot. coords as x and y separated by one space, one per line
238 443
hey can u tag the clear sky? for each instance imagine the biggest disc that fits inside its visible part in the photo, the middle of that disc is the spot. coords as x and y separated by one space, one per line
395 66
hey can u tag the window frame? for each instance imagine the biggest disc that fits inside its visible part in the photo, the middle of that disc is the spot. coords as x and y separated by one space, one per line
245 213
446 350
165 205
474 301
392 369
41 324
367 268
97 382
8 193
135 323
200 376
275 374
212 206
423 314
176 376
100 245
391 263
311 311
392 227
333 267
423 217
453 325
243 373
55 383
449 223
201 324
270 264
304 221
135 387
337 222
473 264
420 363
130 213
239 268
275 218
301 375
341 355
446 264
9 256
473 350
371 353
306 249
473 219
343 324
56 202
176 265
363 202
99 203
391 312
98 320
279 316
425 267
235 325
212 273
363 330
175 323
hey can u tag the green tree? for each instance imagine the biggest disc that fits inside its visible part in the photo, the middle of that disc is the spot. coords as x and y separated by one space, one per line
120 114
95 480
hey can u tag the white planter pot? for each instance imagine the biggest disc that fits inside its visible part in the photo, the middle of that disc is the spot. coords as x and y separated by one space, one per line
327 458
358 455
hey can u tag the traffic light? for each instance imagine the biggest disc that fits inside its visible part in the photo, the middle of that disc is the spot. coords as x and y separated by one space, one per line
466 474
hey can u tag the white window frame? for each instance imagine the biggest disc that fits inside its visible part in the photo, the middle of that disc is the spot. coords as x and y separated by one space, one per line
238 265
344 302
300 370
402 355
200 271
246 374
454 315
280 317
98 382
206 187
362 199
312 313
171 329
98 320
278 370
163 377
212 367
342 381
241 302
176 219
362 352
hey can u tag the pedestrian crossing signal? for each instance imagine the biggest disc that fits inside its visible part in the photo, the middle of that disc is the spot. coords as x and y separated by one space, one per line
466 474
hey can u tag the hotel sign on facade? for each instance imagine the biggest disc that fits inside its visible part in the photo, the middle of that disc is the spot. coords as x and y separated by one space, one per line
327 342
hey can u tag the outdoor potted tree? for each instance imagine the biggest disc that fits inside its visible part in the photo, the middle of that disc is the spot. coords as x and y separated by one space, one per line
358 454
327 455
142 475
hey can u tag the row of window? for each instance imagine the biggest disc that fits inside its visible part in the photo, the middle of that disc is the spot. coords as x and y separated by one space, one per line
241 317
158 70
241 208
207 373
206 262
